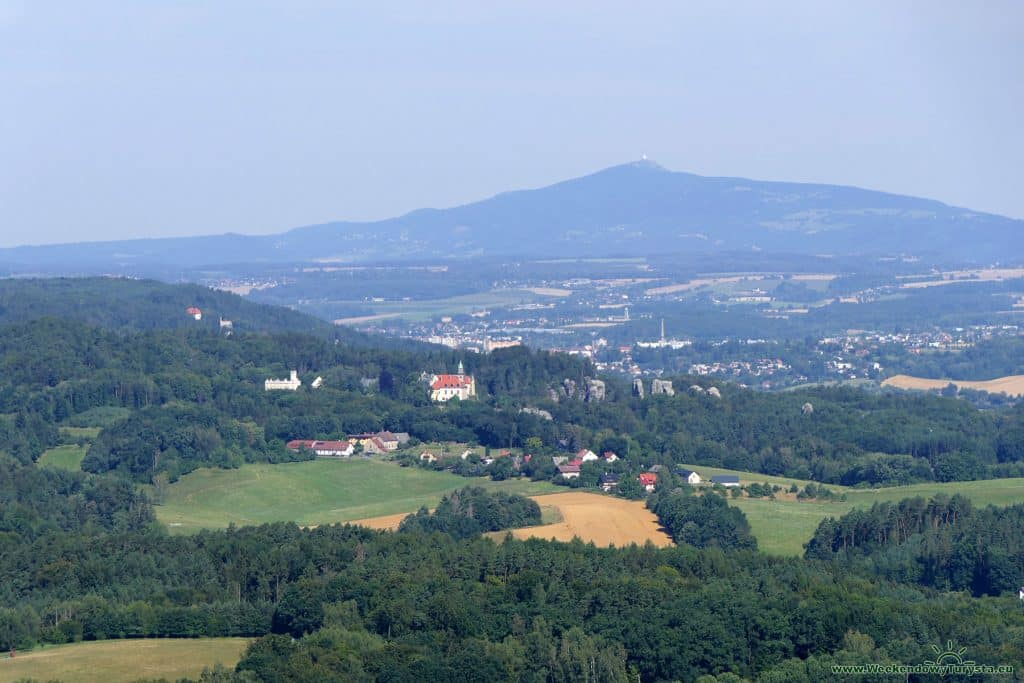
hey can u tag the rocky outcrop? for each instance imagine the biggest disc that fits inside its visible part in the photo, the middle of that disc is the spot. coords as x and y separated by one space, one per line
807 409
696 389
714 392
543 414
638 388
595 391
662 386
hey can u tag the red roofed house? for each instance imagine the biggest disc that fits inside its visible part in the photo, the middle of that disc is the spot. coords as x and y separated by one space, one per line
194 312
648 480
569 471
333 449
610 456
586 455
446 387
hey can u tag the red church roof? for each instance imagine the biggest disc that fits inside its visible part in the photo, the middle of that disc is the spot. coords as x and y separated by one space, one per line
451 382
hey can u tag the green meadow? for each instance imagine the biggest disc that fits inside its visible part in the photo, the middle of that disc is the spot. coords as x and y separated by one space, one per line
313 492
783 525
112 661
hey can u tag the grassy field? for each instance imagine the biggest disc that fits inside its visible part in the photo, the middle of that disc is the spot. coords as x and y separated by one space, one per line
64 457
782 526
313 492
111 661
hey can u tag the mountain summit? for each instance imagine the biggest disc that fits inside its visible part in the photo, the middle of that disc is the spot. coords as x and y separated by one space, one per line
637 208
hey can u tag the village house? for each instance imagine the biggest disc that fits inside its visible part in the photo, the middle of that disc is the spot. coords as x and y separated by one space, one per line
609 456
726 480
586 455
569 471
335 449
689 476
427 456
648 480
378 442
196 313
609 482
446 387
291 384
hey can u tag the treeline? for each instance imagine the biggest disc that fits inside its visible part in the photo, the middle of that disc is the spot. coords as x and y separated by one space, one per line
942 543
473 510
851 437
178 439
703 521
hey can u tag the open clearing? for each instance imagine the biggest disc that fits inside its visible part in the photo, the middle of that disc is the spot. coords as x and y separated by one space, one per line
782 526
313 492
64 457
109 661
1011 385
601 520
591 517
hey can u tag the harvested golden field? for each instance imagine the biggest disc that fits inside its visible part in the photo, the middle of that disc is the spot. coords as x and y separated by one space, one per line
603 520
382 523
1012 385
592 517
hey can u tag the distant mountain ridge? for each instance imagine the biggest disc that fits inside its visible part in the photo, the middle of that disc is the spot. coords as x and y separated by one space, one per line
637 209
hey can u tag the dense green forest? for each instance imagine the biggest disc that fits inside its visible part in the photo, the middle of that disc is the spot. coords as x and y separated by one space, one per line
943 543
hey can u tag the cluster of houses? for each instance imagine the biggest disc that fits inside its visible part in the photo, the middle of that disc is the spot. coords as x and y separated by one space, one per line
609 481
372 444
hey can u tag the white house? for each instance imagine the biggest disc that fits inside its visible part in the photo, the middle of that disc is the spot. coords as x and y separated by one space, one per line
586 455
446 387
336 449
569 471
689 476
290 384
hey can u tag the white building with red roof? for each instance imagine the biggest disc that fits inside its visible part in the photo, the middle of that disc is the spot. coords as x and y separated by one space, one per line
446 387
335 449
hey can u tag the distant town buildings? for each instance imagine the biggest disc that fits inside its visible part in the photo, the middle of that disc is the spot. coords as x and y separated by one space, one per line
290 384
444 388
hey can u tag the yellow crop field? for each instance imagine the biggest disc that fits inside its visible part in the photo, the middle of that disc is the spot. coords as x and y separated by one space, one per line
1011 385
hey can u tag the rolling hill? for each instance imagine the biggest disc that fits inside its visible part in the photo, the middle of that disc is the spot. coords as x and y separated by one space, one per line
637 208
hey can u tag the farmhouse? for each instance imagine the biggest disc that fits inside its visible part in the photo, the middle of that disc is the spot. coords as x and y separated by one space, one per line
586 455
446 387
378 442
648 480
727 480
290 384
334 449
609 481
689 476
569 471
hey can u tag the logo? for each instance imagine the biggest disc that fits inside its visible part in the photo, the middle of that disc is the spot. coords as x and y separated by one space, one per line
949 656
948 660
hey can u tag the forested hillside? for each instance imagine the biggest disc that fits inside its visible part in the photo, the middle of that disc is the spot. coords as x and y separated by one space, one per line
83 557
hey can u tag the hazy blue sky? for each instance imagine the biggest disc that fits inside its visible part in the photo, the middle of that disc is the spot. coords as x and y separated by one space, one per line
136 119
